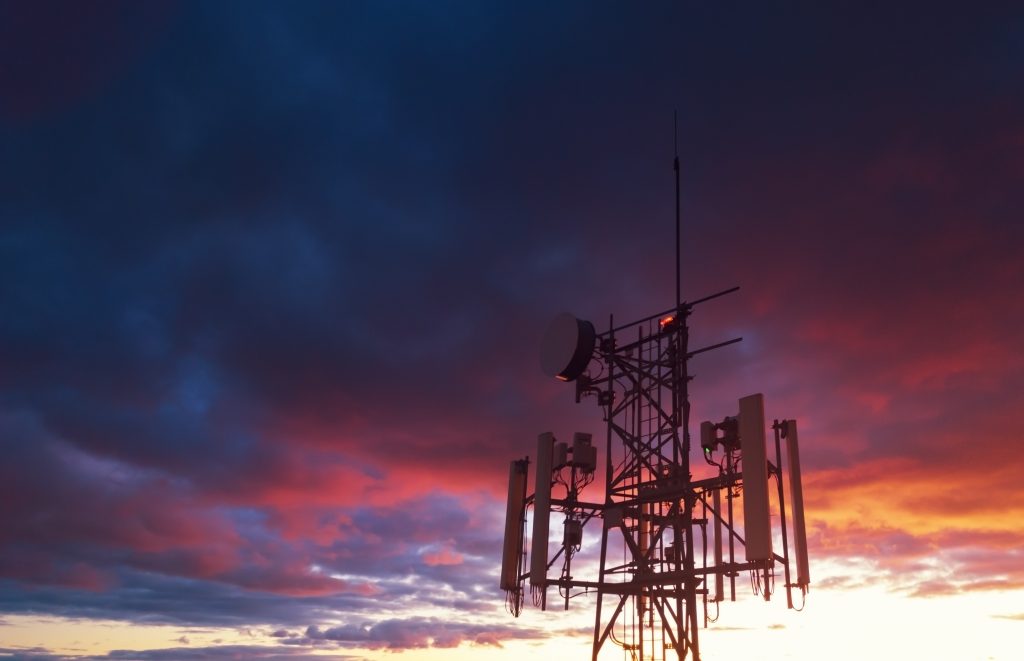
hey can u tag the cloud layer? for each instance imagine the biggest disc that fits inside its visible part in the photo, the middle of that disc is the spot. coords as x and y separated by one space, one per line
272 283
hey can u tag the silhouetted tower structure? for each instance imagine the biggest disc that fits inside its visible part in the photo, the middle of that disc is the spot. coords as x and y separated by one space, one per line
670 545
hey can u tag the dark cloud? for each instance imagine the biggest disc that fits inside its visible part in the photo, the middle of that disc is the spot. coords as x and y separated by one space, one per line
155 599
258 577
272 282
34 654
418 632
218 652
210 653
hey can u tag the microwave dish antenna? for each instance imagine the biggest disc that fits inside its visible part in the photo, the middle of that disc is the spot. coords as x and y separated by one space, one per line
567 347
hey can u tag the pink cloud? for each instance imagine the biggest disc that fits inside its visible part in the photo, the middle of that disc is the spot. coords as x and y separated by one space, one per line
443 556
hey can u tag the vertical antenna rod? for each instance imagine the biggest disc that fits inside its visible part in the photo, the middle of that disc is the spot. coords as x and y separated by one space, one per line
675 166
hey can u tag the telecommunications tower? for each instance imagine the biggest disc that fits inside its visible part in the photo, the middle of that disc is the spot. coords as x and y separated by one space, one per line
671 546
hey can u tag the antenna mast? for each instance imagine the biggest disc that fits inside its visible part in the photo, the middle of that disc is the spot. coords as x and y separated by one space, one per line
654 590
675 167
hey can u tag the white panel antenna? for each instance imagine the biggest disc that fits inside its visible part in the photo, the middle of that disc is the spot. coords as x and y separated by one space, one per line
541 516
716 503
796 495
511 555
756 513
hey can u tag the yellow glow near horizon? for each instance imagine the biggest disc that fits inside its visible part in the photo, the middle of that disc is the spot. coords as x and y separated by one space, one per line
839 625
73 636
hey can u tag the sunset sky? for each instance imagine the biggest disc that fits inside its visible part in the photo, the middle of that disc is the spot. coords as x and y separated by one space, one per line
273 278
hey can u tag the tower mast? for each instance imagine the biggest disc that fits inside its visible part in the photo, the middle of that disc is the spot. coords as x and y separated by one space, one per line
654 511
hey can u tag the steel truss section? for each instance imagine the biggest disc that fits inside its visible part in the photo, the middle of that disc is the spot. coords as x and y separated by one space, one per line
651 597
655 578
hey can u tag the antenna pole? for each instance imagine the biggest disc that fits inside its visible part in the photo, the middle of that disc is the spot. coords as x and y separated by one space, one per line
675 167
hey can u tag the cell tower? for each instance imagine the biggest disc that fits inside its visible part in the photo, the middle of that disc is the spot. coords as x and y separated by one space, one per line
671 546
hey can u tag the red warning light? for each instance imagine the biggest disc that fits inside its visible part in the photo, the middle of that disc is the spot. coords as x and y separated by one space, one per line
665 321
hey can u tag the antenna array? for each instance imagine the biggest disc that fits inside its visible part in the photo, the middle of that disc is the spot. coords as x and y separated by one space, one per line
668 542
